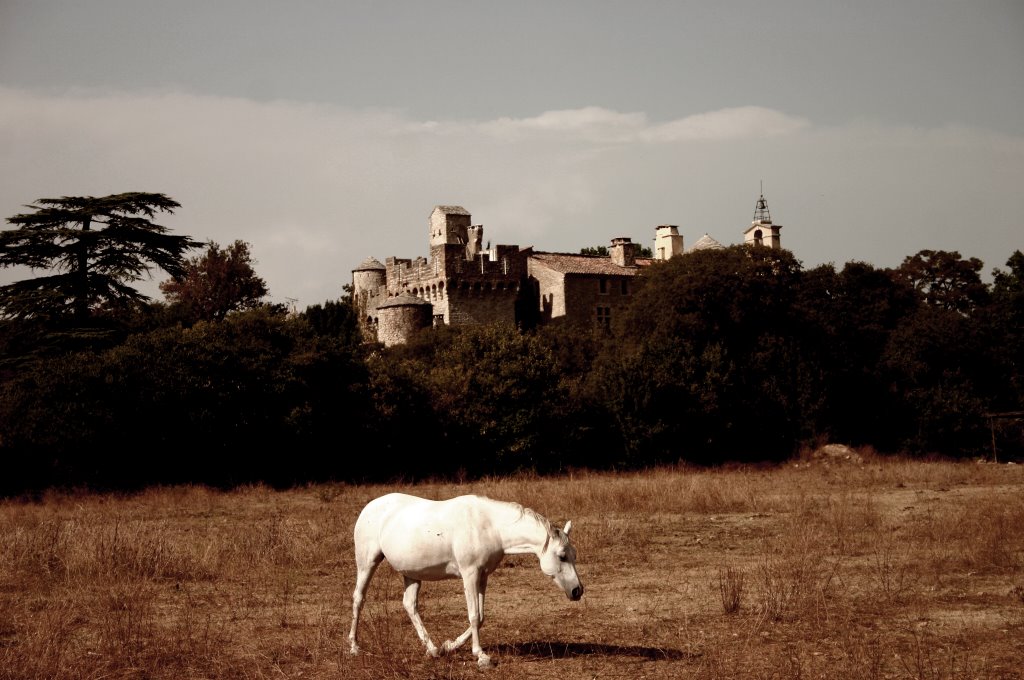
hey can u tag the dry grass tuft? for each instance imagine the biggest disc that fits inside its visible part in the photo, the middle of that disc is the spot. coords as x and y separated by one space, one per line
730 588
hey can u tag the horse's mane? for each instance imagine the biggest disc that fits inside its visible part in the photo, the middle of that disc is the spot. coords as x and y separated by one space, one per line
544 522
528 512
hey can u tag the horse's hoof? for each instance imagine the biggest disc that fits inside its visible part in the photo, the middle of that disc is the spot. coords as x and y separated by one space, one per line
448 646
432 652
354 649
484 661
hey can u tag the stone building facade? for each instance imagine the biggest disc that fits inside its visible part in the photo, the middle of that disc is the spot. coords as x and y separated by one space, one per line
584 288
463 283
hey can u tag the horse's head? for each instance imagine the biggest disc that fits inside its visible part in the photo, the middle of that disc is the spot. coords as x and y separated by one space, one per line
558 560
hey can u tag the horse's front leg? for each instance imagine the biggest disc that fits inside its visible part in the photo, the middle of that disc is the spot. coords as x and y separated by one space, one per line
474 583
451 645
410 600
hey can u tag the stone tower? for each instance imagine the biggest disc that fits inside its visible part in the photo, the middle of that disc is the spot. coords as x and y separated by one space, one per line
401 316
449 224
368 278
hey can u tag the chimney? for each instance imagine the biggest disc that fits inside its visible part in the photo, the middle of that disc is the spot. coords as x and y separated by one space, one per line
623 252
668 242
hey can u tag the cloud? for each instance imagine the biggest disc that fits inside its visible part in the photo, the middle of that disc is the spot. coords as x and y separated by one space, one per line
315 189
599 125
592 124
744 122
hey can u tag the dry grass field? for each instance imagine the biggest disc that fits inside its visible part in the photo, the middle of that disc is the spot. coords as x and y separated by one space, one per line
815 569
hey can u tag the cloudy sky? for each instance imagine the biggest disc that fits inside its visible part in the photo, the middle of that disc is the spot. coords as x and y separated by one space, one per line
322 132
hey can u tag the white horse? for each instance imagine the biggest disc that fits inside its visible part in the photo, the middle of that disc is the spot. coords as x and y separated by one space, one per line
467 536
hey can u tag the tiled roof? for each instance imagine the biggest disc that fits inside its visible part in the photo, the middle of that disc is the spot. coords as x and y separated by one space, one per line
566 263
705 242
369 263
452 209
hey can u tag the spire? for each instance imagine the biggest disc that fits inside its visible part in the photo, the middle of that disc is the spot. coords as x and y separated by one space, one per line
761 213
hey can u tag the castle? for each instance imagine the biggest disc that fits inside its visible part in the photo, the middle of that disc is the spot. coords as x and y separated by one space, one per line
463 283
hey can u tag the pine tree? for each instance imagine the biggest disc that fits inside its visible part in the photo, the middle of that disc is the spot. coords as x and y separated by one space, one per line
93 247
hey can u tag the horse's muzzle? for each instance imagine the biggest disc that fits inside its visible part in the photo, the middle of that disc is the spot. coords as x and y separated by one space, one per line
576 593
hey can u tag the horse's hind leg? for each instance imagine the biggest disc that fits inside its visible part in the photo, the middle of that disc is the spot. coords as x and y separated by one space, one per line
410 600
365 566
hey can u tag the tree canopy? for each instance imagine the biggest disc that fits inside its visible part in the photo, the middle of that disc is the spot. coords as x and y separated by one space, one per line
945 279
94 247
602 251
216 283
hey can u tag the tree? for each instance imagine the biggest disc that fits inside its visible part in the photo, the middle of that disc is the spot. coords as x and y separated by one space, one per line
938 366
216 283
644 251
854 312
94 266
1008 289
1007 321
335 319
498 388
945 279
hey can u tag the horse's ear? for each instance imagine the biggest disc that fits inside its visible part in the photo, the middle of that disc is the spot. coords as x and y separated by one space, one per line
567 528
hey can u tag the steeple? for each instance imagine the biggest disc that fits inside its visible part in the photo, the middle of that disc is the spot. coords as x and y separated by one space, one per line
762 232
761 213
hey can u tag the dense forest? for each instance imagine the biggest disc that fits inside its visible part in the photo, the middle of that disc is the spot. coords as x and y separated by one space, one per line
733 355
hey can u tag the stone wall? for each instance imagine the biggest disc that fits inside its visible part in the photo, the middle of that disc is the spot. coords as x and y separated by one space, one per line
583 297
482 303
549 292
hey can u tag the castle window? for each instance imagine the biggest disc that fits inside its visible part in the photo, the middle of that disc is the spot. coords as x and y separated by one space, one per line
602 286
604 317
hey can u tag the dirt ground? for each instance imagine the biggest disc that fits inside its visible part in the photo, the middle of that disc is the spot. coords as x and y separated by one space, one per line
815 569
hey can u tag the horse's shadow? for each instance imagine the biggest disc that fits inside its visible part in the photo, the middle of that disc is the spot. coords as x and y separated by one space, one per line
557 649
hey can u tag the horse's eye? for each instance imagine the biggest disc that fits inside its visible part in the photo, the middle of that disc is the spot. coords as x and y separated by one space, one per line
563 558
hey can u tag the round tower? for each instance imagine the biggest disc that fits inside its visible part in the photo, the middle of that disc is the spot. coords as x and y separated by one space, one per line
368 277
401 316
369 280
